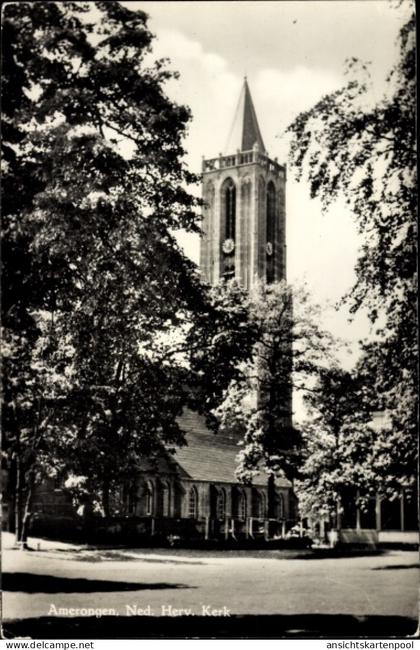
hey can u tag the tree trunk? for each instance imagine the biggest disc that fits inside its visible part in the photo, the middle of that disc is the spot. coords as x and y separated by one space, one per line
271 494
338 515
105 498
18 501
26 516
10 496
23 507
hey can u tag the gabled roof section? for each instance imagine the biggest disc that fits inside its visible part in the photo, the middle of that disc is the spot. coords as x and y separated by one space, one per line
245 131
210 456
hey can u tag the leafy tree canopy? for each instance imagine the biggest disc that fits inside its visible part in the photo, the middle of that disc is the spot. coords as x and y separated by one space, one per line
346 147
95 287
290 348
337 449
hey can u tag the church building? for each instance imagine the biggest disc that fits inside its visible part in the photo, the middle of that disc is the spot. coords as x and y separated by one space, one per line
194 493
243 238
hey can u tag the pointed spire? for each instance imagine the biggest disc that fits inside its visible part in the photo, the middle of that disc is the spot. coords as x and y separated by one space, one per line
245 132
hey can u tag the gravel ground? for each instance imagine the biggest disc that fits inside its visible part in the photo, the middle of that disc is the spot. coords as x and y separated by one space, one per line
144 593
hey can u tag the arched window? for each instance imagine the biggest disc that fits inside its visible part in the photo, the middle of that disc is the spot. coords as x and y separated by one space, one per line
131 499
230 210
280 507
260 505
193 503
221 504
228 229
241 505
270 231
148 498
164 499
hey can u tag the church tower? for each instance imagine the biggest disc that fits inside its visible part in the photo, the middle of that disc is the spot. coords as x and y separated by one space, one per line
244 207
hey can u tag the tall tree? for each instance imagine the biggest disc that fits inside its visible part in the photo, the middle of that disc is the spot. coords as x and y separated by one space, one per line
93 280
346 147
289 350
337 450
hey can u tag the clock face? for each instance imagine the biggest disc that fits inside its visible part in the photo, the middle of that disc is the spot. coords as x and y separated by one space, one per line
228 246
269 248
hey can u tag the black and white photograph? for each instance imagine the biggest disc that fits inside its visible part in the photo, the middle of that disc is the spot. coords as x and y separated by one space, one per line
209 320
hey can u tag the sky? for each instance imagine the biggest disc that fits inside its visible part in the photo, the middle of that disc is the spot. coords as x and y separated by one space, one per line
292 54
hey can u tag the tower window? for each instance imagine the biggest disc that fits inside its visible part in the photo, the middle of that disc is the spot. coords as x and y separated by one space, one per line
270 232
230 215
228 229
